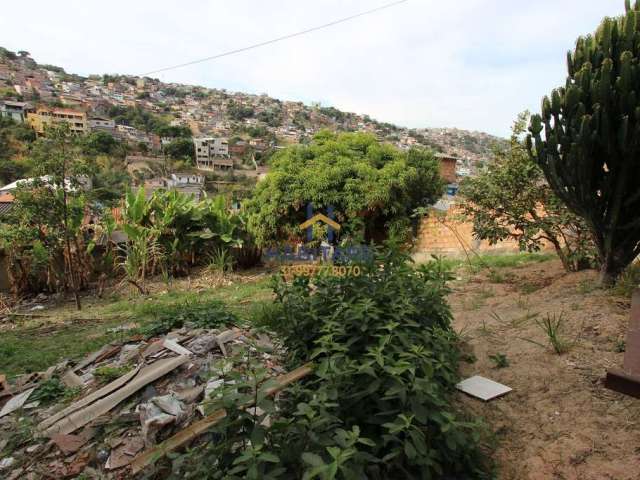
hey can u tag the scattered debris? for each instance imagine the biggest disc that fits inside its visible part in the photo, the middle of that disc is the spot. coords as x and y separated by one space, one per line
153 407
482 388
198 428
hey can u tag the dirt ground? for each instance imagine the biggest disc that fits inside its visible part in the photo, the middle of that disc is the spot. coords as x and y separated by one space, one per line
559 422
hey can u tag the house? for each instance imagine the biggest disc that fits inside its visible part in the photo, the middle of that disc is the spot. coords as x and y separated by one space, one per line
212 153
238 149
102 124
185 183
43 116
182 179
14 110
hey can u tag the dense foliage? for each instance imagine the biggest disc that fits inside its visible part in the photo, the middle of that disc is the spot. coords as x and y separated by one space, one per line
15 139
379 404
42 234
171 231
373 187
511 200
591 138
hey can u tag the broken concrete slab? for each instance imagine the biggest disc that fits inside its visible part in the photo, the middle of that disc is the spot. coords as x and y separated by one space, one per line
71 380
124 454
69 444
170 404
16 402
482 388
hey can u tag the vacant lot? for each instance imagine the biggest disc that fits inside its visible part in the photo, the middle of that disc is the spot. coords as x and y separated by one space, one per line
558 423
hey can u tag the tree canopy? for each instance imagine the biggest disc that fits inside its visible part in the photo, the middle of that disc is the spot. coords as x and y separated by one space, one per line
512 200
373 187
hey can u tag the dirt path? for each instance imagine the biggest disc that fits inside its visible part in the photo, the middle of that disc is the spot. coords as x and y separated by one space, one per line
559 422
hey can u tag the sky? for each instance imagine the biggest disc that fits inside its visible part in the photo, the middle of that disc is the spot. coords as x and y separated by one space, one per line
472 64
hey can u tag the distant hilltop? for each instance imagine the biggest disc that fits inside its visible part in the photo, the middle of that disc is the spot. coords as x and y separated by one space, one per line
215 112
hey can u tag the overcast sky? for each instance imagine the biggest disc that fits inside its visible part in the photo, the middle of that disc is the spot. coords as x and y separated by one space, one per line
471 64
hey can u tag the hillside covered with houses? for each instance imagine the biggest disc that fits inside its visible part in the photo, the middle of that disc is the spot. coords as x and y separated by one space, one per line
224 134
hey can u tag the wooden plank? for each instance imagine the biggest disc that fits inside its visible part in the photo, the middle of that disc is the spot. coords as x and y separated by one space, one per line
83 402
145 376
198 428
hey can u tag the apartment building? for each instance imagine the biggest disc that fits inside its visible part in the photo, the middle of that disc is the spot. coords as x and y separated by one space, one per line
43 116
212 153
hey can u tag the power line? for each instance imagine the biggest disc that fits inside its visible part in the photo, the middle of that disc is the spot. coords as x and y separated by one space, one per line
278 39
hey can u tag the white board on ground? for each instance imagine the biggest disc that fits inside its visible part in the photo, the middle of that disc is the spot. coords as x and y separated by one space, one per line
482 388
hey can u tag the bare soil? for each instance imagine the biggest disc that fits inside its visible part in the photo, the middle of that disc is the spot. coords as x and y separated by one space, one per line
559 422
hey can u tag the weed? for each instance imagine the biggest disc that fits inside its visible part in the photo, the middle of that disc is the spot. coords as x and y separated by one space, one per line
620 346
108 374
207 314
497 277
48 391
269 316
20 433
468 357
628 281
71 393
586 287
220 261
528 288
478 262
523 302
499 360
553 326
479 300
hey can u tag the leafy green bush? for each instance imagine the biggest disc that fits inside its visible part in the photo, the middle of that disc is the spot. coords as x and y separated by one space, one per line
200 314
48 391
379 404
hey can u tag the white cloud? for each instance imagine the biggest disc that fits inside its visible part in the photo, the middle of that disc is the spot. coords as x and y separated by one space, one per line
472 64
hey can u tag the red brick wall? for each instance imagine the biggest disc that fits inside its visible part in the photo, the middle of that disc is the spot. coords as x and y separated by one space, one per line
448 234
448 169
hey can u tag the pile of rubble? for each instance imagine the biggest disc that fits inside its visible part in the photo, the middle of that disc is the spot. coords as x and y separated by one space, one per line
116 428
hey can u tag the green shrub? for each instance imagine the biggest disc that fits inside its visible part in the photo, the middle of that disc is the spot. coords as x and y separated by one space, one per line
200 314
48 391
379 404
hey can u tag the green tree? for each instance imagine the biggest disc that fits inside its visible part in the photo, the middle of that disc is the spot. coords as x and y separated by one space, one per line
512 200
15 139
374 187
181 149
48 210
238 111
591 139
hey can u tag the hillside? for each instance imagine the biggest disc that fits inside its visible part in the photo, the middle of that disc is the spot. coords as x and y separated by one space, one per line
144 103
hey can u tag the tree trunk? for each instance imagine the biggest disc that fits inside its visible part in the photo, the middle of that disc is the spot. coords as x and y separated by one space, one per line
610 268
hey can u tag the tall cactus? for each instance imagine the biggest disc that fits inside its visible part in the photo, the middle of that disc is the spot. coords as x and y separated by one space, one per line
590 150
